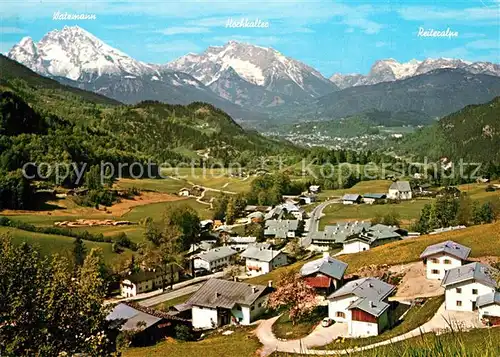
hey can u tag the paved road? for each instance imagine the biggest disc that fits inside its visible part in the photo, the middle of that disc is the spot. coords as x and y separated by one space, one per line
180 289
313 225
439 323
169 295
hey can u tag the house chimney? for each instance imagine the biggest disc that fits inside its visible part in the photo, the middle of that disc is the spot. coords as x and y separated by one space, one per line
372 305
254 289
270 283
235 278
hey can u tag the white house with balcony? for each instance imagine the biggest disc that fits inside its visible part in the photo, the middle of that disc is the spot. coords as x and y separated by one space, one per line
215 258
465 285
363 304
259 260
441 257
220 302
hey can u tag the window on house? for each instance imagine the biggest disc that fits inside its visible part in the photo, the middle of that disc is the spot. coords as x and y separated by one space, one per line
435 271
459 290
260 304
340 314
474 291
238 308
459 303
252 308
435 260
447 261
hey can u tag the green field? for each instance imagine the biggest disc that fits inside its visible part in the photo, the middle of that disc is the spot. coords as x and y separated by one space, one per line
218 179
158 185
49 243
242 343
155 210
372 186
407 211
483 239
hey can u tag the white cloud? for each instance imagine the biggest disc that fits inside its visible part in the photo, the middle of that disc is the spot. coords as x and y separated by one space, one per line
180 30
254 40
122 27
484 45
295 12
471 16
472 34
11 30
177 46
381 44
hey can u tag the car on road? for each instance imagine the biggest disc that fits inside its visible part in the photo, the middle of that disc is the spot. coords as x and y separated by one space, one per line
326 322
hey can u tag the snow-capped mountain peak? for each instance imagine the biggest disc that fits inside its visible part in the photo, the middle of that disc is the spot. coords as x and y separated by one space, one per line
257 65
76 54
388 70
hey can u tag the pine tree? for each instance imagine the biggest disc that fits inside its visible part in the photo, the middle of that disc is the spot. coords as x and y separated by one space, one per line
79 252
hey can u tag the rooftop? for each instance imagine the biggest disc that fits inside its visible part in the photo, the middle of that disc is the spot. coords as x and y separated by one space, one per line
489 299
448 247
261 254
327 265
218 293
351 197
401 186
217 253
474 271
369 288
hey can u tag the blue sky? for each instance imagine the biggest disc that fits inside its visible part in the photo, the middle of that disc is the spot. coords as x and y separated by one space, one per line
332 36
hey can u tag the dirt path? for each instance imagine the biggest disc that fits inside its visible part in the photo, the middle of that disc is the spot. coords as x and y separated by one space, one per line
414 283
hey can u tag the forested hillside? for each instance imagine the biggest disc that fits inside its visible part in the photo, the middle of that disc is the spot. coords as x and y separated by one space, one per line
44 121
472 134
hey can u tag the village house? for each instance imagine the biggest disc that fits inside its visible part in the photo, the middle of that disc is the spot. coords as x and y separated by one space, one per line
335 235
315 189
465 284
260 261
184 192
281 210
371 238
240 243
489 308
440 257
371 198
400 190
215 258
285 228
220 302
362 304
154 325
254 208
148 280
325 274
307 199
351 198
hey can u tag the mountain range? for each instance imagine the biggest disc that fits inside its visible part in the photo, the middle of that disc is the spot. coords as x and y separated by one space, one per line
254 83
390 70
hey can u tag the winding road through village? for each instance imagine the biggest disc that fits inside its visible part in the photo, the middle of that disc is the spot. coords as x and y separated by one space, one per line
439 323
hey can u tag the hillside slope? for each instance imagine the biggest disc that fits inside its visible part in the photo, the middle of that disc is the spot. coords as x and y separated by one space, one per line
472 134
436 93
